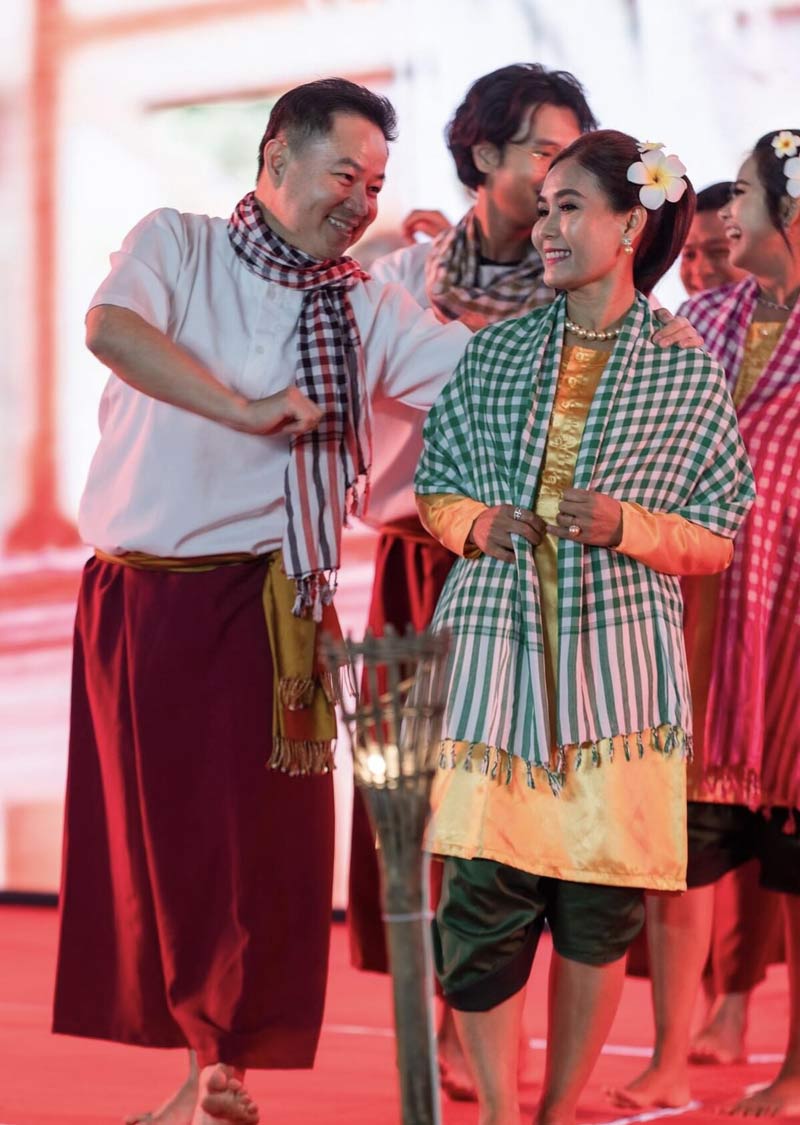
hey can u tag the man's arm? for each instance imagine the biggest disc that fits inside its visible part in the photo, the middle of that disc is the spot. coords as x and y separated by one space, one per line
414 352
148 360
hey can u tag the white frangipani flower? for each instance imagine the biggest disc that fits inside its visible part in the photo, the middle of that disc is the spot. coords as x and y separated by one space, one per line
786 143
660 176
792 170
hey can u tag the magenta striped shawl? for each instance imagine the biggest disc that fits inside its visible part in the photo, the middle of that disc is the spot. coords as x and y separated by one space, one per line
751 743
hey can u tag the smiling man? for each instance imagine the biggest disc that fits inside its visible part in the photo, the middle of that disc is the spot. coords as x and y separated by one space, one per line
705 258
235 435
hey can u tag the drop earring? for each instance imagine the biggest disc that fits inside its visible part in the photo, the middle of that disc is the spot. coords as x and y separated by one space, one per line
626 244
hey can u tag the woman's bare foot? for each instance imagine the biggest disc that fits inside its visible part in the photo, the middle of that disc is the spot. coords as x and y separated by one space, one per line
222 1097
656 1086
529 1072
454 1074
780 1099
721 1040
554 1117
178 1109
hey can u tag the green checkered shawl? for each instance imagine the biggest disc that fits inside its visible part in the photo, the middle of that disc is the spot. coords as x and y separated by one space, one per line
661 432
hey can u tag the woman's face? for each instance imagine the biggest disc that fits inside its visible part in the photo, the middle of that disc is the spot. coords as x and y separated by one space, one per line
577 234
756 245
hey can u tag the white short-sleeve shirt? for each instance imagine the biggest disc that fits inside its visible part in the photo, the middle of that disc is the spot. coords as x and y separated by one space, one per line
170 482
398 431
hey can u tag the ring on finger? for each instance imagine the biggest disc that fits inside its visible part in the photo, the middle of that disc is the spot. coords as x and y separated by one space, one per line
574 529
517 514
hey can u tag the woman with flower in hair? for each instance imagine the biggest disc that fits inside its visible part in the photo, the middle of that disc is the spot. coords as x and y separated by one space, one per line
579 471
743 634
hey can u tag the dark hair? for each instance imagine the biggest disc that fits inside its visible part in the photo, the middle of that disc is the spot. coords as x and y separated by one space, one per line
494 107
608 155
714 197
307 111
770 169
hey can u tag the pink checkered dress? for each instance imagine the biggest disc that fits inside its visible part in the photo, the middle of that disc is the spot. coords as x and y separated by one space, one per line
751 742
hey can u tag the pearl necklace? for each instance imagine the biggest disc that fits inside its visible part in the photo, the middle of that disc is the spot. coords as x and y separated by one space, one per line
589 333
774 304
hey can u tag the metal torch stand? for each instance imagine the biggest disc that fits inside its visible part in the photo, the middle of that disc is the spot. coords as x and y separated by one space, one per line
394 731
399 817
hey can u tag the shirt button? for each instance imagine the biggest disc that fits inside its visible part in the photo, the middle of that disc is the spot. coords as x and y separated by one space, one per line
258 349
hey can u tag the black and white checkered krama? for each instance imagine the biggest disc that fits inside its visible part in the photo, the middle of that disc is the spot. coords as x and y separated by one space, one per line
326 465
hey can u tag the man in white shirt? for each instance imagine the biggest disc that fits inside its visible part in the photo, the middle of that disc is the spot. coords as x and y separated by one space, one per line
235 437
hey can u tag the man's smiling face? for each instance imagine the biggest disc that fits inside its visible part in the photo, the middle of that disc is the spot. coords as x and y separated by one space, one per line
322 194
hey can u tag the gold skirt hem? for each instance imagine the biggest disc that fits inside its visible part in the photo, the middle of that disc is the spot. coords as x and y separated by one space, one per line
646 880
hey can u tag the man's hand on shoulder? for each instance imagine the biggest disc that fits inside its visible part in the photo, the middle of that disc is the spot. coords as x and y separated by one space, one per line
676 331
430 223
287 412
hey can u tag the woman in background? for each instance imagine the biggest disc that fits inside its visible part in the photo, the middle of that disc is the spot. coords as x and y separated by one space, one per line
743 635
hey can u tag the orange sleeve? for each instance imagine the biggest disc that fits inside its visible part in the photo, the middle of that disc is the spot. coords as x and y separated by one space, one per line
672 544
449 518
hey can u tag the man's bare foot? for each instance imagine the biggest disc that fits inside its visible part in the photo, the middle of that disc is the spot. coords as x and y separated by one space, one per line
656 1086
177 1110
780 1099
222 1097
721 1040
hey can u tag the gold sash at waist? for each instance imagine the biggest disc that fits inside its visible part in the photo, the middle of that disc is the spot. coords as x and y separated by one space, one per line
304 719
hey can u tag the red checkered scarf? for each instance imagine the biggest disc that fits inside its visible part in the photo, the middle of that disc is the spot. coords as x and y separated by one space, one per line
321 486
754 696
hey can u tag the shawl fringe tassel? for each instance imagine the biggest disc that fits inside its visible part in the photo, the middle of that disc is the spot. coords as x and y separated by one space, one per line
491 760
297 758
731 785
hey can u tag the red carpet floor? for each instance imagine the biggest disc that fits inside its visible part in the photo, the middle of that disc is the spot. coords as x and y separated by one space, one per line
51 1080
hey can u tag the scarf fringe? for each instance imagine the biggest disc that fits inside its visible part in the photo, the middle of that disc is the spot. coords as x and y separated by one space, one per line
340 684
492 760
313 591
296 692
729 785
301 758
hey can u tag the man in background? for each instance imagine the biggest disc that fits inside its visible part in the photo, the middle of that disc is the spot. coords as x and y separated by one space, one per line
705 260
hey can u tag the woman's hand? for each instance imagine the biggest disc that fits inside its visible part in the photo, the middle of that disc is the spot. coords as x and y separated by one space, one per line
287 412
588 517
492 530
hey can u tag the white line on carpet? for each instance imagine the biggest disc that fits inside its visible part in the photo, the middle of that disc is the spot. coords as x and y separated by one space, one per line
622 1050
652 1115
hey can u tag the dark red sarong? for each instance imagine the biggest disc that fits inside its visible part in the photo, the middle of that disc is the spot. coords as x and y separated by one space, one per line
196 890
410 572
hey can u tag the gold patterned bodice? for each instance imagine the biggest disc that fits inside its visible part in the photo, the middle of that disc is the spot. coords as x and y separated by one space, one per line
762 339
581 371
